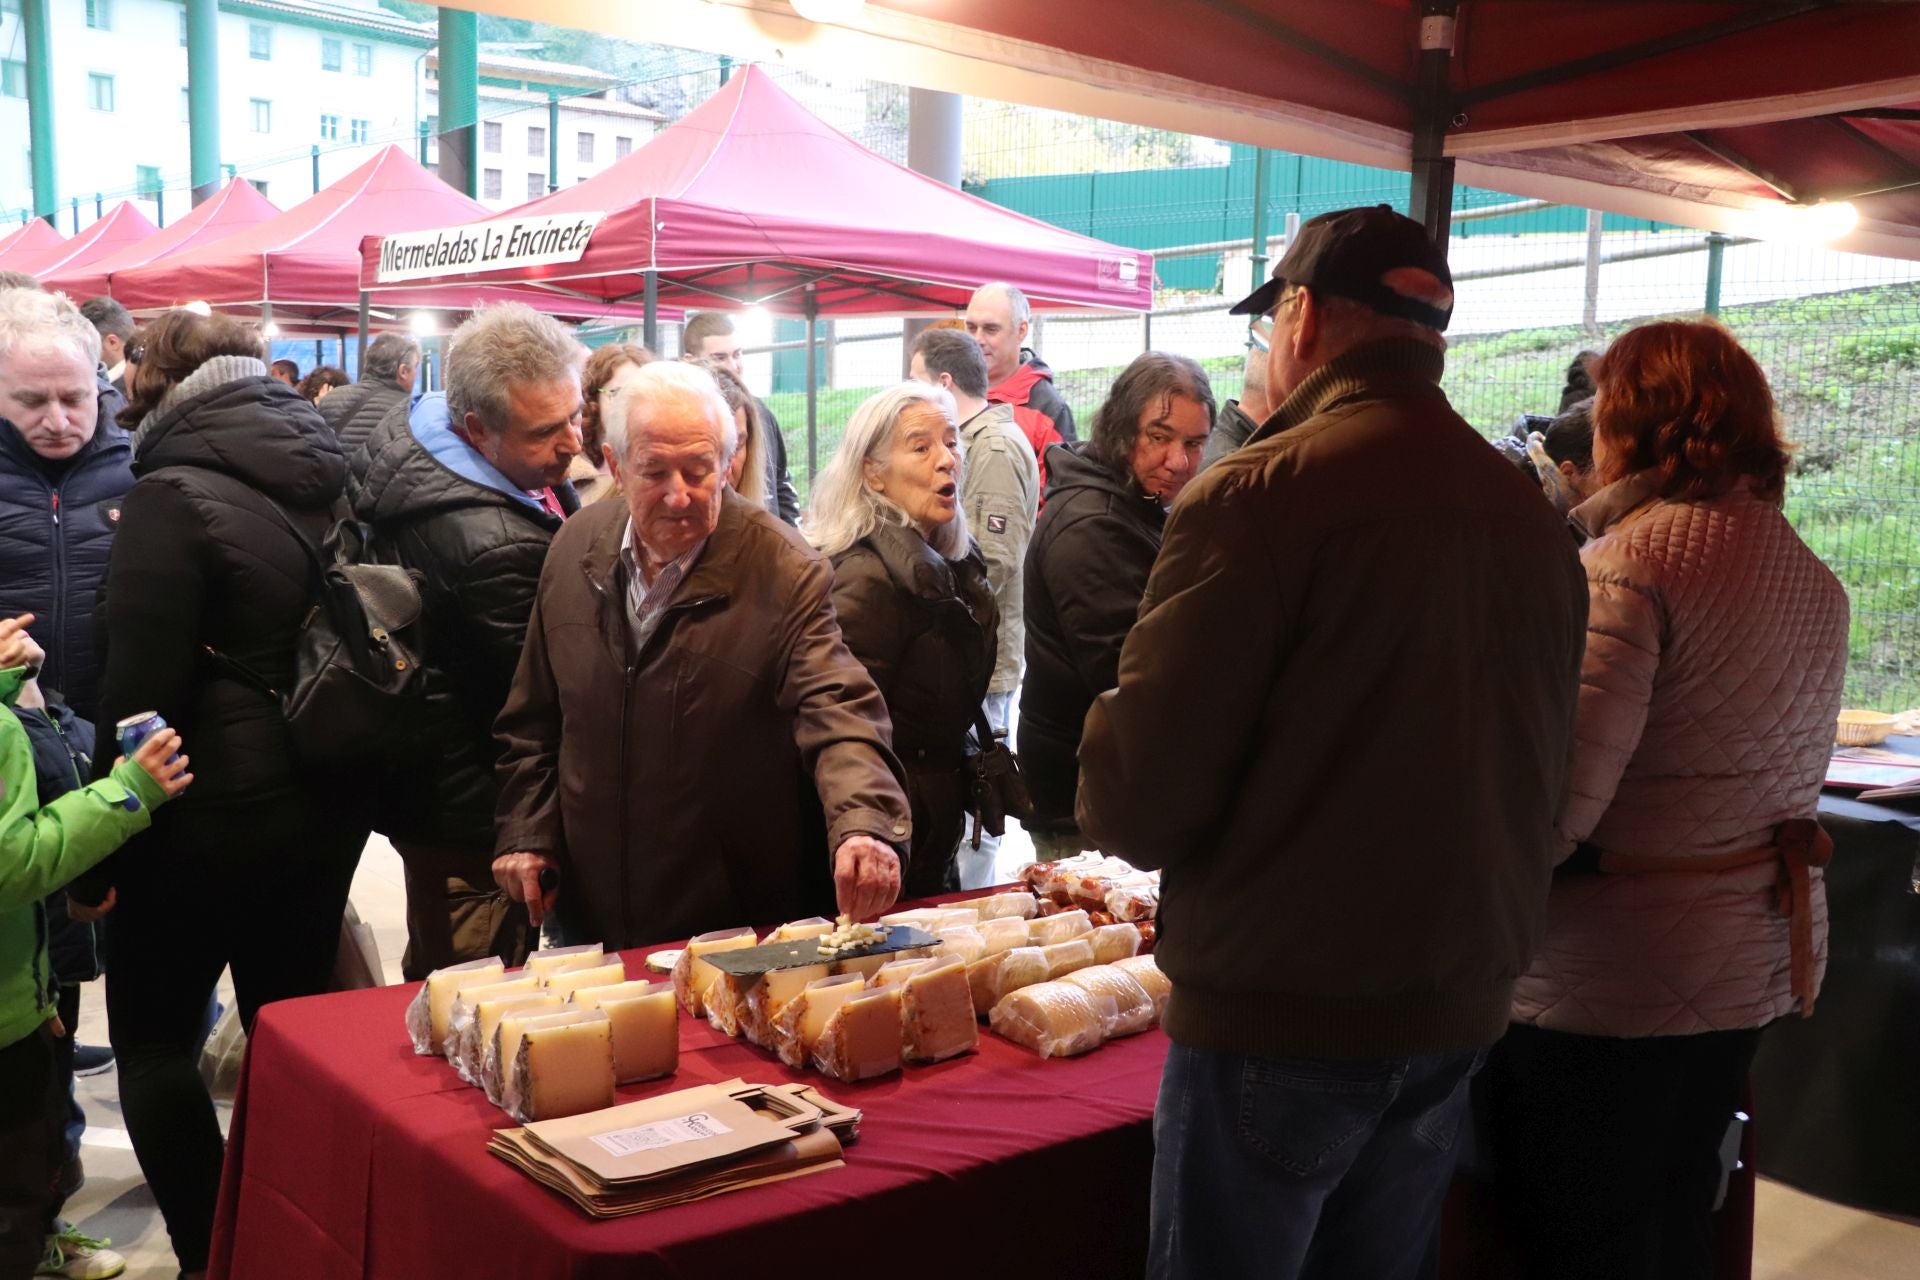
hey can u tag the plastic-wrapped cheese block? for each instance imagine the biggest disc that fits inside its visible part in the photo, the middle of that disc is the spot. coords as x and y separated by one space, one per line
726 1000
965 943
562 1071
1114 942
1054 1019
1017 905
862 1038
958 916
460 1014
497 1056
798 1024
467 1046
795 930
1133 1009
542 964
1134 898
692 975
427 1013
1003 934
892 975
572 980
1048 930
646 1028
766 998
1064 957
1146 971
936 1008
991 977
919 917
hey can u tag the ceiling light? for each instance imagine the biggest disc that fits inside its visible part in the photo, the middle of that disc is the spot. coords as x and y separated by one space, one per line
423 324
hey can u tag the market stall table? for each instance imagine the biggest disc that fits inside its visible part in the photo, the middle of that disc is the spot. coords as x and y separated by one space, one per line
350 1156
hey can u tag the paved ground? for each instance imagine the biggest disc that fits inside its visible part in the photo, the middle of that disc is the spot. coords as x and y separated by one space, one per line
1797 1237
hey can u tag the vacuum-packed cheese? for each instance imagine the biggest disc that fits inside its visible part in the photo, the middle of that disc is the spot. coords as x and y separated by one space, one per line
726 1000
1146 971
562 1071
991 977
646 1028
460 1015
1132 1007
765 998
1054 1019
918 917
892 975
496 1058
544 964
692 975
1017 905
1003 934
862 1038
936 1013
1048 930
477 1033
954 917
966 944
798 1024
427 1013
795 930
1064 957
566 983
1114 942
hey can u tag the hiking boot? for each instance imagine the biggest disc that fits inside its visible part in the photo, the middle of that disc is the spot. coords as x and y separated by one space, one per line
79 1257
91 1059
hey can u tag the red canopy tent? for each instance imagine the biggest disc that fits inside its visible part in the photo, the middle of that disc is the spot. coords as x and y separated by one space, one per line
299 269
20 249
124 227
234 206
751 200
1691 111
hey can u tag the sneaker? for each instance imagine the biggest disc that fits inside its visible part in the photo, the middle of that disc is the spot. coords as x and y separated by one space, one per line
91 1059
79 1257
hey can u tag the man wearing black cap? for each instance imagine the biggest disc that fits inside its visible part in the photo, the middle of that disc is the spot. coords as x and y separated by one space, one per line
1357 847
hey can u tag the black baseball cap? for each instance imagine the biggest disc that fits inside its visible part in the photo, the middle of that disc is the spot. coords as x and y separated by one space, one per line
1349 252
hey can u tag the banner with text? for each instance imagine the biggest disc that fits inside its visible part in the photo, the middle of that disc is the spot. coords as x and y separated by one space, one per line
485 246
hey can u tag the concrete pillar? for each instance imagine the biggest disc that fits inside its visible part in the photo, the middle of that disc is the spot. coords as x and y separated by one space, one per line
203 97
933 148
460 100
36 20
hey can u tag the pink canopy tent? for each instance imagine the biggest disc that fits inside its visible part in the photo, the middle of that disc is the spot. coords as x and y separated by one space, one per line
19 250
299 269
234 206
124 227
751 200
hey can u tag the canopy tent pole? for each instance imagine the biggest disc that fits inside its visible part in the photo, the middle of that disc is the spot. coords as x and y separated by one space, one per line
203 98
1431 199
360 356
36 21
813 391
650 322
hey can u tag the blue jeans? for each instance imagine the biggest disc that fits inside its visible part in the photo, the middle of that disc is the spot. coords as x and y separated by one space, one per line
1319 1168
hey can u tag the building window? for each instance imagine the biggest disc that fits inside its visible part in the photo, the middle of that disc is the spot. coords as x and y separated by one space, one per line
262 111
99 91
329 128
186 105
330 51
362 129
622 147
183 28
13 78
100 14
259 42
536 185
146 179
583 148
536 140
13 6
490 133
490 185
363 59
258 184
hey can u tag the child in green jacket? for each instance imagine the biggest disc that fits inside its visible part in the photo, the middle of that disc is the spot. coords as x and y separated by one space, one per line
42 849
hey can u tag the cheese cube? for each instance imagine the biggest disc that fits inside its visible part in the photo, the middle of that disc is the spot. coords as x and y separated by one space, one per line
1048 930
1064 957
1114 942
562 1071
1002 934
1146 971
646 1028
477 1034
992 977
766 998
692 975
427 1014
936 1010
1132 1006
542 964
862 1039
892 975
569 981
797 1027
1053 1019
497 1058
967 944
795 930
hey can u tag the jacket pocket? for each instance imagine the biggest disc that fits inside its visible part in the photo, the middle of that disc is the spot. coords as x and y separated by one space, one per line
1298 1112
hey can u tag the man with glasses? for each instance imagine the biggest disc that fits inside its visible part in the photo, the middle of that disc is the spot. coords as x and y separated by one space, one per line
1353 679
1239 418
708 339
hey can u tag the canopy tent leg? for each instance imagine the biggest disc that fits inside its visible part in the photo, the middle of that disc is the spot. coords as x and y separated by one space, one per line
813 391
650 323
360 355
1431 200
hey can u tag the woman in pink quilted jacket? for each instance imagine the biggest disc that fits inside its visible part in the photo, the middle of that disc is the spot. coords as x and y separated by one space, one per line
1688 912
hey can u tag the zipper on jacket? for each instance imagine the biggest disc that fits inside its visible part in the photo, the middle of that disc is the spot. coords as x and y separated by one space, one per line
626 716
56 646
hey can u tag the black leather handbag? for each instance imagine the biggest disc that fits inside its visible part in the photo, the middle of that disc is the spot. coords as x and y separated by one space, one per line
993 777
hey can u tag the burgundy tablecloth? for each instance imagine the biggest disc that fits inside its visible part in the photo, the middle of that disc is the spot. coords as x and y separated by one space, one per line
350 1156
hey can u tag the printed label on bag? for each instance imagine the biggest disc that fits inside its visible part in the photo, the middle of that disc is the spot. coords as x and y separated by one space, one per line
661 1133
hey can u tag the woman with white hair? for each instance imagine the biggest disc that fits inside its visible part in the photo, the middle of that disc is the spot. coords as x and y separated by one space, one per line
915 607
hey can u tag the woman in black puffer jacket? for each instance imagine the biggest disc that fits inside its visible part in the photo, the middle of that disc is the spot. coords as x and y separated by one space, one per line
250 868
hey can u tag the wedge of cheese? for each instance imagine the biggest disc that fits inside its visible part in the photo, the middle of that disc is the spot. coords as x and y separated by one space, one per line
726 1000
1114 942
646 1028
692 975
918 917
497 1058
1054 1019
1132 1006
797 1027
795 930
1146 971
428 1011
892 975
1048 930
766 998
936 1013
567 982
460 1015
469 1054
543 964
1064 957
1002 934
862 1038
562 1070
992 977
865 966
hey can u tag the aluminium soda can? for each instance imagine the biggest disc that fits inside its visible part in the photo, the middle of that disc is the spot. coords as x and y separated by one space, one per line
136 729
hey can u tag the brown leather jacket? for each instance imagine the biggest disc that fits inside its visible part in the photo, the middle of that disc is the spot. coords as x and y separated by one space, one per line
701 783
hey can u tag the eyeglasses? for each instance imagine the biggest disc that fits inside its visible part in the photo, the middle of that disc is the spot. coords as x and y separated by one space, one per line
1260 332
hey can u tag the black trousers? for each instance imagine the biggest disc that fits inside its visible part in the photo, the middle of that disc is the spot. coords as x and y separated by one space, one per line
33 1114
1606 1151
270 908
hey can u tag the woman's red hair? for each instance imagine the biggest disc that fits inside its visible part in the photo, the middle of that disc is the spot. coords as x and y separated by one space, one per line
1682 397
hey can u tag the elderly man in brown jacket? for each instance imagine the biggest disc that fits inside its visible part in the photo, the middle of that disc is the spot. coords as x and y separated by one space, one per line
688 743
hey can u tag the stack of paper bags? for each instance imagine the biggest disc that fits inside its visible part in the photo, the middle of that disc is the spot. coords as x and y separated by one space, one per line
681 1146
